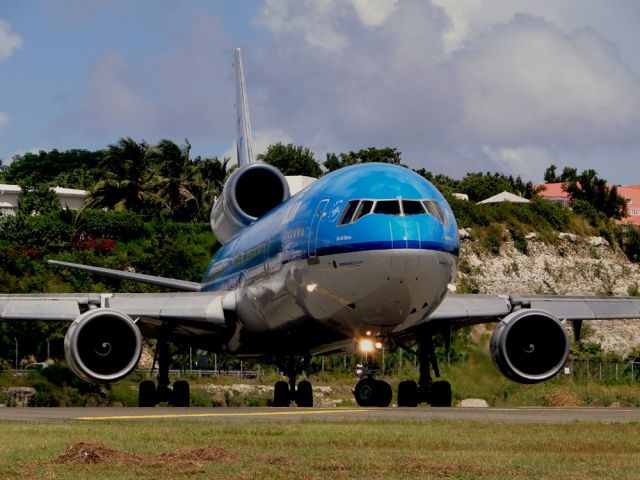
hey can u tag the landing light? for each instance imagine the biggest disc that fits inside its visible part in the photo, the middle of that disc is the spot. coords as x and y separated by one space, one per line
312 287
366 345
452 287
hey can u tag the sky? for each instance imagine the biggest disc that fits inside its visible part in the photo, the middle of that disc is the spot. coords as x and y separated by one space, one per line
455 85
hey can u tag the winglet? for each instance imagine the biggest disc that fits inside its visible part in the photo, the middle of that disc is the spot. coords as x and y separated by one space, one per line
171 283
244 141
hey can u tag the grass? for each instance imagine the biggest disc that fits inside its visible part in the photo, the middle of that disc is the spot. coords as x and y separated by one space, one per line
320 450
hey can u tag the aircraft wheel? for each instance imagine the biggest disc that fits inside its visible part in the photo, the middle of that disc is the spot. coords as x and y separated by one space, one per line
304 394
441 394
408 394
383 393
180 396
281 396
365 392
147 394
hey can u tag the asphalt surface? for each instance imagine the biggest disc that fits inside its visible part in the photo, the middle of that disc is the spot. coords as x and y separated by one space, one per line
492 415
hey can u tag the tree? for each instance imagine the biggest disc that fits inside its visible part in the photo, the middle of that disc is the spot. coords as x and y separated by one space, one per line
569 174
371 154
594 190
292 160
480 186
37 199
550 175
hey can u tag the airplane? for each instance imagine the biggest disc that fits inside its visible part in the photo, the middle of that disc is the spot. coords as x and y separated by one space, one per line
361 257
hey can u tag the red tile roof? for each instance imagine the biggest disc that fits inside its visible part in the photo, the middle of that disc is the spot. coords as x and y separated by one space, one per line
548 190
554 192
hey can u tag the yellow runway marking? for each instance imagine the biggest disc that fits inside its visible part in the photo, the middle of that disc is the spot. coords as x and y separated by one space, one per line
244 414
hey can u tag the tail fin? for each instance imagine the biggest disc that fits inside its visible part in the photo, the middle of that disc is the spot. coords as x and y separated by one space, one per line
244 142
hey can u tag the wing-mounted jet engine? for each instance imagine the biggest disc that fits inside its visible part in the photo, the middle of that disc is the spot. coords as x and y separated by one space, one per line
530 346
103 345
250 192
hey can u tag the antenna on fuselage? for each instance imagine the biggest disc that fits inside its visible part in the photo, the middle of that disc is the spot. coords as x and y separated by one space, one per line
244 143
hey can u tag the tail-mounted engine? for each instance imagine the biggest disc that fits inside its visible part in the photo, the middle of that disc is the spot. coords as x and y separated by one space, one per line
102 345
250 192
530 346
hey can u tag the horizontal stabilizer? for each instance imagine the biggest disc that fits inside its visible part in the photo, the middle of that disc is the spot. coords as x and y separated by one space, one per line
172 283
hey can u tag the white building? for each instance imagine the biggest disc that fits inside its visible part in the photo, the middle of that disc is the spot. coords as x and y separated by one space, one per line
69 198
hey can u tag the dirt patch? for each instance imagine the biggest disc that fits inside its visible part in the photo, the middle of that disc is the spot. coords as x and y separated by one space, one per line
559 398
93 453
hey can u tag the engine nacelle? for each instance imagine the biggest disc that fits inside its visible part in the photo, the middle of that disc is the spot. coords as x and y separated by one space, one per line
103 345
250 192
530 346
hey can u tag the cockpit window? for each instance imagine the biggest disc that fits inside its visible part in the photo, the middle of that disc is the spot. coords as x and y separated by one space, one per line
388 207
434 209
363 209
348 212
356 209
412 207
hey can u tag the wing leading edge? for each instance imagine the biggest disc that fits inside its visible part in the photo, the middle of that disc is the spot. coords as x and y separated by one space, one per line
463 310
172 283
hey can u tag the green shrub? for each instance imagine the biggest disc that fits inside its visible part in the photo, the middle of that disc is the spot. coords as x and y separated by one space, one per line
118 225
492 238
519 239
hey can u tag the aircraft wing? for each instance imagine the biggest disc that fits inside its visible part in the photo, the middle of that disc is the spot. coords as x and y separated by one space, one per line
459 310
187 314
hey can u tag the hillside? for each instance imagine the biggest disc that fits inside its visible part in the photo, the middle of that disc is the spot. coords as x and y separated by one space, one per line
572 265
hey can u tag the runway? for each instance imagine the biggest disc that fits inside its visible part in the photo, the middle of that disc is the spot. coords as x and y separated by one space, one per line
491 415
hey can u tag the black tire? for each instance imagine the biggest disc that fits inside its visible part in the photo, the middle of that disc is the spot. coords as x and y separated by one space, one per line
147 394
408 394
180 396
304 394
281 397
383 393
441 394
365 392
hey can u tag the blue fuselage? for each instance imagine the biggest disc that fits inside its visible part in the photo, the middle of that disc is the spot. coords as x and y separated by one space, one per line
364 247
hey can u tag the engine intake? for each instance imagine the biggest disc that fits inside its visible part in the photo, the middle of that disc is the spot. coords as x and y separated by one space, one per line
249 193
103 345
530 346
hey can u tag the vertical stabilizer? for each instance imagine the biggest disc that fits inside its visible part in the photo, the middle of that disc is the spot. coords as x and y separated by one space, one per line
244 142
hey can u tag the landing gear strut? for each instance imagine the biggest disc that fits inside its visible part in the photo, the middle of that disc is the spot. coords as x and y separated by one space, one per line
437 393
284 393
150 396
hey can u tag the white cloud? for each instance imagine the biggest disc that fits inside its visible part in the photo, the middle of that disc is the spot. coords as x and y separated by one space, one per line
447 84
313 20
460 12
374 13
9 42
528 82
5 119
528 161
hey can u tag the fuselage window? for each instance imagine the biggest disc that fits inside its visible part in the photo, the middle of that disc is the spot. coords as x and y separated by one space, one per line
348 212
388 207
412 207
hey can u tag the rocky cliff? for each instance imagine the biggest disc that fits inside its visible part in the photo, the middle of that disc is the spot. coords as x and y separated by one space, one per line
571 266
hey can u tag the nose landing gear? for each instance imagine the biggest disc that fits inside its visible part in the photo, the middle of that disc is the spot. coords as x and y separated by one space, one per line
370 392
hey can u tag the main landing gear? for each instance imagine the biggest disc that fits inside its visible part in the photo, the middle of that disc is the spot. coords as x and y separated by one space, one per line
150 396
285 393
437 393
